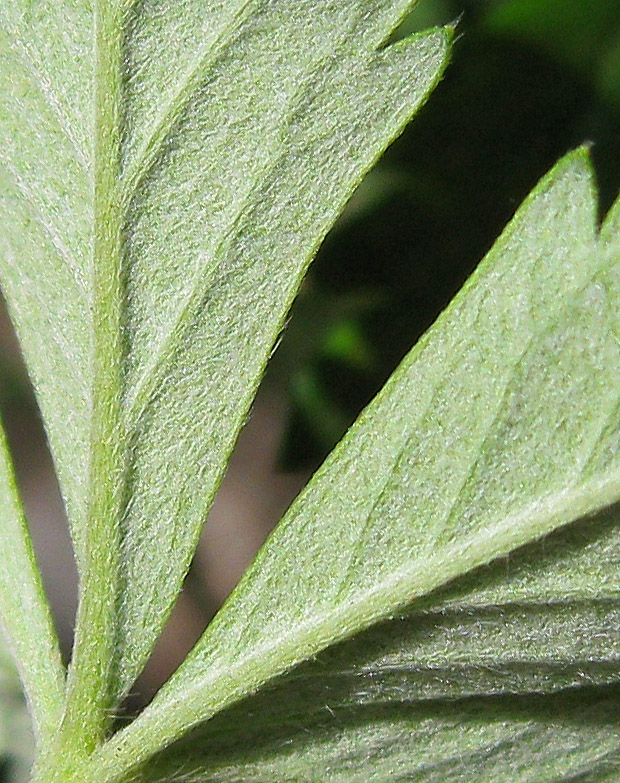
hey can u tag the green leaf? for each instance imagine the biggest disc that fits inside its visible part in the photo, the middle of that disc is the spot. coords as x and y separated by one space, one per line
46 208
24 614
149 258
545 618
499 427
250 211
160 206
564 738
16 740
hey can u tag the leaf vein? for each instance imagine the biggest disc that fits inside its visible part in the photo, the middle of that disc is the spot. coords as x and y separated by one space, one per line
159 131
22 191
38 80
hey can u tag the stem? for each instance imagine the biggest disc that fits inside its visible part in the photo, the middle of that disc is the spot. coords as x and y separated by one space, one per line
228 680
89 698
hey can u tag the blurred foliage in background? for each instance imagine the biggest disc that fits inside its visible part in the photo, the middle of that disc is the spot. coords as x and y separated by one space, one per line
530 79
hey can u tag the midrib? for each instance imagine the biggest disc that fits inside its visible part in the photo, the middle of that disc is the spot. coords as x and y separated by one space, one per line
225 682
89 686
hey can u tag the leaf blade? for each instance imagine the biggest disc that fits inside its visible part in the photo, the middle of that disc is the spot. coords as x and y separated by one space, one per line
557 320
560 738
24 613
46 215
331 132
457 654
150 226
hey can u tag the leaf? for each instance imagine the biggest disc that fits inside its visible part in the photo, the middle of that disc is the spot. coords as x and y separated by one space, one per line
429 693
499 427
545 619
567 737
164 248
24 613
16 740
46 208
289 166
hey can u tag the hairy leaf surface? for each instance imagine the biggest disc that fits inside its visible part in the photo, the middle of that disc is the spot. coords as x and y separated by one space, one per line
447 687
436 599
564 738
16 740
253 194
499 427
47 216
168 170
25 620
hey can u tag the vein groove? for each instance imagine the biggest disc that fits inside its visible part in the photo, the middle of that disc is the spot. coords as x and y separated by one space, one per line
45 89
22 191
159 131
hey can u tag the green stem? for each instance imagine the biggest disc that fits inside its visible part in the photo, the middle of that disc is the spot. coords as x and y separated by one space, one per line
172 715
90 685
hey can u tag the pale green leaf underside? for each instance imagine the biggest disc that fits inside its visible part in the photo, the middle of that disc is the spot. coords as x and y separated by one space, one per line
16 740
246 126
563 738
545 619
279 178
405 695
24 616
500 426
432 693
46 213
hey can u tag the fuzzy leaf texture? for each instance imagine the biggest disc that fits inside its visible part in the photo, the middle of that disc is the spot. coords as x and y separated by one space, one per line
452 688
160 203
499 428
25 621
16 741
